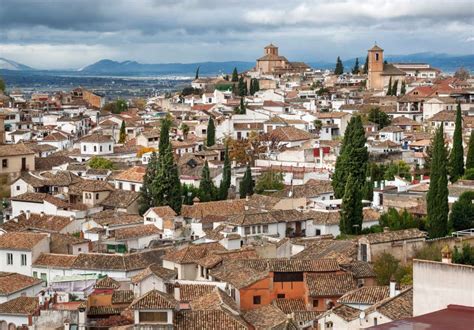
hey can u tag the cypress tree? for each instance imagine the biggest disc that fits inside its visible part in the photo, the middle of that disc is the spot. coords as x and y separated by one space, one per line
246 185
146 199
166 185
355 69
226 176
389 89
235 75
251 86
394 88
206 186
353 157
256 85
339 67
437 197
351 208
403 89
366 65
456 158
470 152
242 87
197 73
123 133
164 136
211 133
242 107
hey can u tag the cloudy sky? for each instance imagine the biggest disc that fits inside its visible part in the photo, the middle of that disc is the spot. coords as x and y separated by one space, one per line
74 33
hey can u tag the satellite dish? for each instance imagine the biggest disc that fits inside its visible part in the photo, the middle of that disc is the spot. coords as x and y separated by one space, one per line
362 315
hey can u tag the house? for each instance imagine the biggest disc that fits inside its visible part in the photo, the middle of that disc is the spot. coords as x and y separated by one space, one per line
447 118
324 290
391 133
18 312
19 250
138 237
43 223
131 179
164 218
334 124
15 158
153 309
290 136
96 145
153 277
59 140
14 285
402 244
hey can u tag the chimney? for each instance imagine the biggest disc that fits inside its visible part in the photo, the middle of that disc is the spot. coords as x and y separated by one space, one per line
446 255
177 292
393 287
107 231
28 213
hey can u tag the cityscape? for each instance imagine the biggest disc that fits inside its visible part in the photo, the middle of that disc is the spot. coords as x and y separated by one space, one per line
196 165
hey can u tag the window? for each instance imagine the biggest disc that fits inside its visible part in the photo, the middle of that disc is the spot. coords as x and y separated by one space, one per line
84 148
259 229
281 296
95 148
9 259
132 187
44 277
363 252
254 231
23 259
288 277
257 300
247 230
158 317
17 188
329 325
376 56
265 228
100 148
375 321
35 274
97 196
110 147
120 185
318 232
315 303
4 163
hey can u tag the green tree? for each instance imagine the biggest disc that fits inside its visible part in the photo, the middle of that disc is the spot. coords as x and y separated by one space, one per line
351 208
318 124
403 89
462 212
235 75
465 256
269 182
206 186
470 152
2 85
437 196
123 133
189 192
256 85
120 106
164 136
398 220
355 69
146 199
400 169
242 87
469 174
456 158
387 267
246 185
379 117
339 67
226 176
166 184
211 133
241 109
197 73
185 130
395 88
353 158
389 89
366 65
101 163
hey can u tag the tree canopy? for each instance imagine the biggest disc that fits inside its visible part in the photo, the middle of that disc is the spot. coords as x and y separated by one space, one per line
339 67
456 158
269 182
97 162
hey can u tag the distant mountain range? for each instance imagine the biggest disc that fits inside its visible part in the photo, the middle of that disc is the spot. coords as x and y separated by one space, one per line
6 64
445 62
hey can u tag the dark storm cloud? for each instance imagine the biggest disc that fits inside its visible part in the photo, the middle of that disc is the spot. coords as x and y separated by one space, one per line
188 30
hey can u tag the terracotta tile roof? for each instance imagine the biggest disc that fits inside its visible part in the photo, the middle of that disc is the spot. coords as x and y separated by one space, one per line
97 138
192 253
107 283
332 114
393 236
289 306
20 306
290 133
120 199
61 178
123 234
360 269
157 270
54 260
274 216
208 319
154 300
133 174
367 295
113 218
165 212
291 265
13 282
265 317
405 121
44 222
395 308
238 275
345 312
40 198
330 285
122 297
19 149
312 188
98 261
92 186
445 115
344 251
248 126
105 310
216 299
20 240
391 129
190 292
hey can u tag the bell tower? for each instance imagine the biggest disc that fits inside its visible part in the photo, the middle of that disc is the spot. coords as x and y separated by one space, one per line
375 68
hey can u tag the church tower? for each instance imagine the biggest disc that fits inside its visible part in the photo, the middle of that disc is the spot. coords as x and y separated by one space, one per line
375 68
